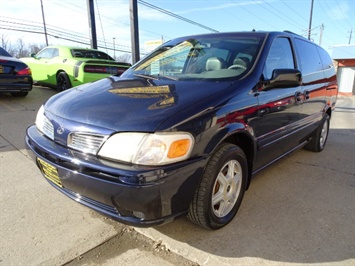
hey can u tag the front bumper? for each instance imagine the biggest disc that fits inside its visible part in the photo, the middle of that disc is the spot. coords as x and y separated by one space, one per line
131 194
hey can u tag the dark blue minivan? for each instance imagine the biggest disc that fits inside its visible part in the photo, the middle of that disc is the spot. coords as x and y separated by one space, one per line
183 131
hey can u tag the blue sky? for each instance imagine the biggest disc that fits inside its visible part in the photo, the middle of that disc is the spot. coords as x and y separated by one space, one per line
67 19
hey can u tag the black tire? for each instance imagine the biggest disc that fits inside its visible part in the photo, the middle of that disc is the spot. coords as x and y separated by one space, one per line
320 136
63 82
227 194
19 94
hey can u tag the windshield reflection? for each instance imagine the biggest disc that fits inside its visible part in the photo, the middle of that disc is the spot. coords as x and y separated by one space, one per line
165 95
207 58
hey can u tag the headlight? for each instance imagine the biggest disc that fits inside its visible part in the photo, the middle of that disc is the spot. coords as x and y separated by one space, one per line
148 149
43 124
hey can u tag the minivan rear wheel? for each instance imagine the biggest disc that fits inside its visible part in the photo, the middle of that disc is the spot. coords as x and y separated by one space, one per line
221 190
320 136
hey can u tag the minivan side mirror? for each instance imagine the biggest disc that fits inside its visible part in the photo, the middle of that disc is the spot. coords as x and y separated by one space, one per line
283 78
33 55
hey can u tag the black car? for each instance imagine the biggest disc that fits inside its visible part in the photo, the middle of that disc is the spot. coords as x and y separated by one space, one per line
15 75
183 131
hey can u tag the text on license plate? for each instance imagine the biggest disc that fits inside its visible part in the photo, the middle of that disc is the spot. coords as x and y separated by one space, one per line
49 172
1 70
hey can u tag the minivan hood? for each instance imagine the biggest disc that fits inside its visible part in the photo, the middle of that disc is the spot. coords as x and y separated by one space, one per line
129 104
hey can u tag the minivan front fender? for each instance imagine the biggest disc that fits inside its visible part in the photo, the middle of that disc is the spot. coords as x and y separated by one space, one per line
238 134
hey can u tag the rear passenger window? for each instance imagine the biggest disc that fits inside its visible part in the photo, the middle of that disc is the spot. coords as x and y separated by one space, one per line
310 63
280 56
327 63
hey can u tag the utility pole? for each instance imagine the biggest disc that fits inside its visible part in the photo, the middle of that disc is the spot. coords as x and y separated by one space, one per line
321 34
310 21
44 24
133 11
350 35
114 49
92 25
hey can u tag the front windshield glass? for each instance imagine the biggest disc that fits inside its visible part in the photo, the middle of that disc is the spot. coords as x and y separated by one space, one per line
205 57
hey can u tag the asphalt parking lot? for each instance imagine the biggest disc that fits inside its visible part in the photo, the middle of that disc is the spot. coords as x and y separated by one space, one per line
301 210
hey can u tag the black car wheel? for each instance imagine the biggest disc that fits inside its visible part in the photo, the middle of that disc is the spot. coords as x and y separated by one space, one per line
320 136
220 193
63 82
19 94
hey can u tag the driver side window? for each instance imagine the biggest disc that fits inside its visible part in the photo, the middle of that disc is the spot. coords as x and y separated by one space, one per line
280 56
47 53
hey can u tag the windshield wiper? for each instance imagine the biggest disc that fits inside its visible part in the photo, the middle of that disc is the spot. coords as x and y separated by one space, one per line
168 77
146 76
155 77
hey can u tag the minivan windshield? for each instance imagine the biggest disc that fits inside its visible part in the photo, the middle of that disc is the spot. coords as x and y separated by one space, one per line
206 57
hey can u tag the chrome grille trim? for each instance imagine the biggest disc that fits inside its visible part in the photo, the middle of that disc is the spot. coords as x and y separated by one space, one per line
86 142
48 128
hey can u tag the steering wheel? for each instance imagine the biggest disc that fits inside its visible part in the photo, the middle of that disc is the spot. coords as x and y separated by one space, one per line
237 67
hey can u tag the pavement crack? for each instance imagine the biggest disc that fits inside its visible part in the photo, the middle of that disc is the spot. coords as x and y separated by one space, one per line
13 147
120 248
323 167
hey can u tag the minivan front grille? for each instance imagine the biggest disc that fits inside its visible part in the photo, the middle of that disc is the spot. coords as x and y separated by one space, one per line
48 128
86 142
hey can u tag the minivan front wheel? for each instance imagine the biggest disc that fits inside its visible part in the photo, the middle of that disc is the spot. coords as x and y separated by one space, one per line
220 193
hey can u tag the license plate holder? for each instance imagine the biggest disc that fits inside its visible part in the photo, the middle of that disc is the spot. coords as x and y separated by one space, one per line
50 172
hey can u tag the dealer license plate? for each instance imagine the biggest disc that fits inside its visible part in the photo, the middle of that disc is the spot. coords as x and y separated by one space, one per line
50 172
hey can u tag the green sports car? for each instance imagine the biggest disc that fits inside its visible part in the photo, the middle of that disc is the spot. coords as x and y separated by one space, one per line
65 67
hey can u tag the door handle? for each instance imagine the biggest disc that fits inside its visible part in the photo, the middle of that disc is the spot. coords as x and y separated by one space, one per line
306 95
298 96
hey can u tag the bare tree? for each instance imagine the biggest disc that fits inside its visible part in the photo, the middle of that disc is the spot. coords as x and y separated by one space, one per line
6 44
127 58
35 48
4 41
22 51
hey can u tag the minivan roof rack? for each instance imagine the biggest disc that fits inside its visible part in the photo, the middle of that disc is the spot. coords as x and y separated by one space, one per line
288 31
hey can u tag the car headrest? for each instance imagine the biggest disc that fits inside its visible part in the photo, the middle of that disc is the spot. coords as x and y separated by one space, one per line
214 63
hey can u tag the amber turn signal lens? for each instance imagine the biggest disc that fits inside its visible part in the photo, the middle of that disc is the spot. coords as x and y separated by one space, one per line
179 148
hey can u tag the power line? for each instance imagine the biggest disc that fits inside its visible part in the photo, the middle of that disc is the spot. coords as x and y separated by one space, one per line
294 11
175 15
53 29
15 26
253 15
233 14
60 37
340 9
277 13
326 14
339 29
109 20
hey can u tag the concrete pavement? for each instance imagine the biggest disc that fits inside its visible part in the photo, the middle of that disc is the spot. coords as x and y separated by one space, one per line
300 210
38 225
